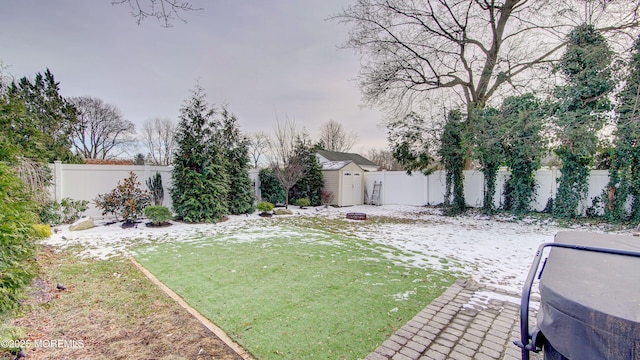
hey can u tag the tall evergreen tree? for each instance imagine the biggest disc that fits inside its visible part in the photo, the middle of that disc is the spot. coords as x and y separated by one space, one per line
22 146
200 181
236 147
18 136
489 152
582 102
522 117
311 183
453 152
49 113
270 187
624 173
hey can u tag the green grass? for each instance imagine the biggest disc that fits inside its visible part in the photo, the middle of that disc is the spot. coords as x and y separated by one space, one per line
296 293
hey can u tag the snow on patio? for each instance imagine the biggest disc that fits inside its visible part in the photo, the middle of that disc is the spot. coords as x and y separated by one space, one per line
493 251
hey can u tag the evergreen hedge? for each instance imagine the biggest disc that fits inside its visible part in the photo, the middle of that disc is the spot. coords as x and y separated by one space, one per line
17 236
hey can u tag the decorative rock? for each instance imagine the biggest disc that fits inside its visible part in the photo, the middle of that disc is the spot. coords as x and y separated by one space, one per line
281 211
82 224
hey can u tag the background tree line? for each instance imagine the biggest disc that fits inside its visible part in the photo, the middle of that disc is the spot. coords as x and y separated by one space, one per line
73 129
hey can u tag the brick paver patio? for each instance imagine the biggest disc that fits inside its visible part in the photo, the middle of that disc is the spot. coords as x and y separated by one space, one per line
462 324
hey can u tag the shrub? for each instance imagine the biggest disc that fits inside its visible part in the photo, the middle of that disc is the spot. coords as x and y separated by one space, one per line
17 212
127 200
108 203
303 202
154 184
157 214
327 197
264 206
49 213
271 189
66 211
42 231
72 210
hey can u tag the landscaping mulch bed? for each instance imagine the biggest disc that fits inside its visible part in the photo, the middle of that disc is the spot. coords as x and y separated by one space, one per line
113 310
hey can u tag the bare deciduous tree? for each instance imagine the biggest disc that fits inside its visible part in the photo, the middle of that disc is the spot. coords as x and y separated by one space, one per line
466 54
158 136
334 137
282 143
384 159
101 130
468 49
288 174
287 167
165 11
258 146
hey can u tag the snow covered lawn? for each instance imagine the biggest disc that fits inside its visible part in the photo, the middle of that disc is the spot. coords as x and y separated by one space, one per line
493 251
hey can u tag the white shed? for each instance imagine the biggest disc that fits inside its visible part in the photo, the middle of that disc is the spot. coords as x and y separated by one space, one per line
345 180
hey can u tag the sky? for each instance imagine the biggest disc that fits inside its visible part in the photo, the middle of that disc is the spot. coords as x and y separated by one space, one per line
264 60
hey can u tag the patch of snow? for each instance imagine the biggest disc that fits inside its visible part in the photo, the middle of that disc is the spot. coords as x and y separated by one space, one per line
335 165
404 296
482 299
493 251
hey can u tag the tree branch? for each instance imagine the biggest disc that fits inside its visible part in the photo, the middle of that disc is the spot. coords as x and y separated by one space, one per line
165 11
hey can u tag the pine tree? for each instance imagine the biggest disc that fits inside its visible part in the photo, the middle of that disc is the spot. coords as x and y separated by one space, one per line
18 136
52 116
270 188
311 183
200 181
236 145
154 184
582 102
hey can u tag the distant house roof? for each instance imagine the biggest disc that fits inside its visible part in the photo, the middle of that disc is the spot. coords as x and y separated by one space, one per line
340 156
107 162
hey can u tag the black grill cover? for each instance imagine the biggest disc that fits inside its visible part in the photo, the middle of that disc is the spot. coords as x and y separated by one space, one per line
590 302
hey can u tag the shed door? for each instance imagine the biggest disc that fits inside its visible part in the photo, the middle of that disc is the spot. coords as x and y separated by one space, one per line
347 189
351 188
356 193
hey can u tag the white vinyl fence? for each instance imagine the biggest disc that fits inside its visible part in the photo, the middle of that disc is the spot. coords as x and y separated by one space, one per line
85 182
398 188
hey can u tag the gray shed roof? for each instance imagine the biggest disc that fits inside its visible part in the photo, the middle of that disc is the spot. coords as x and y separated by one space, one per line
340 156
